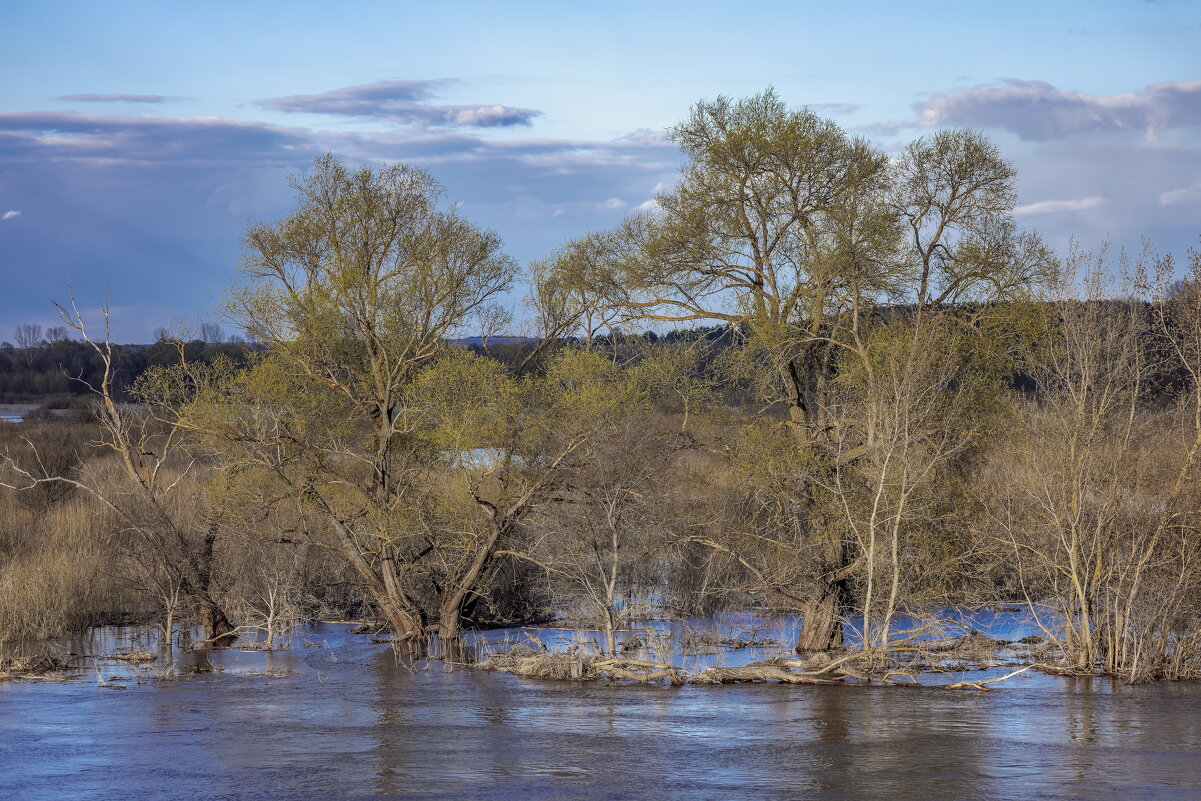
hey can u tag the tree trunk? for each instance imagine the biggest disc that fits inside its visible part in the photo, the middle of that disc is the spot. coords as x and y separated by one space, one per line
403 616
450 613
405 624
825 611
821 627
383 583
217 628
610 632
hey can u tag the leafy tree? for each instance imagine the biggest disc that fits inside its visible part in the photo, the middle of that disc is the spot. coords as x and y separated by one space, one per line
801 236
352 296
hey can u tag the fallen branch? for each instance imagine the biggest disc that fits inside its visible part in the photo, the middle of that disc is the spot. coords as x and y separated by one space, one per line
980 685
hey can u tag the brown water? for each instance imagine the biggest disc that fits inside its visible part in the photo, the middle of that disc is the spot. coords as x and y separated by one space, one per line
341 718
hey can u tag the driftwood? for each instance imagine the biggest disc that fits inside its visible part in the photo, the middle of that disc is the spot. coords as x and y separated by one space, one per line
759 671
49 668
525 661
980 685
824 668
639 670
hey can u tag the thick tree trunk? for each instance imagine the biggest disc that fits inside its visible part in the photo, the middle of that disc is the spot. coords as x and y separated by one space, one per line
217 628
821 627
405 624
824 613
218 631
403 616
466 587
380 579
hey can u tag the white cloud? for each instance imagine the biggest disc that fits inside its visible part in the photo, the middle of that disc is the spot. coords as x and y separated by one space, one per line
119 98
8 215
649 207
835 108
1056 206
1181 195
403 102
1036 110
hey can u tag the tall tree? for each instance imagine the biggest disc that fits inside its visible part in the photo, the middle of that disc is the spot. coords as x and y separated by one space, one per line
798 234
353 294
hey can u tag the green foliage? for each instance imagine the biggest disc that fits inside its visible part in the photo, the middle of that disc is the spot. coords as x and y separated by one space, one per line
365 280
464 402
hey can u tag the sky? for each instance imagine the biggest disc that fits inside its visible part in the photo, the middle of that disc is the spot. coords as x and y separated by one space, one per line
138 139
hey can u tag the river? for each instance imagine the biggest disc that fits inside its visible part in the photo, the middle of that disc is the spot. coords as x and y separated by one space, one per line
337 716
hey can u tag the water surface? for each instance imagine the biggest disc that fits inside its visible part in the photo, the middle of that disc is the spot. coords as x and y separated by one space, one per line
340 717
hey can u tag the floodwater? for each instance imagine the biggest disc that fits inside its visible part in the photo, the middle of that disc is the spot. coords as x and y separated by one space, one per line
19 412
15 412
337 716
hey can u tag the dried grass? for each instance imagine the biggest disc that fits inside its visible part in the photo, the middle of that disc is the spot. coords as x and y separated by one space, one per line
530 662
57 574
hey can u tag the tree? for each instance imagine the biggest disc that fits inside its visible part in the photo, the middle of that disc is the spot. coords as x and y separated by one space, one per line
605 528
57 333
800 236
954 195
171 541
501 445
916 408
352 295
211 332
1096 487
28 337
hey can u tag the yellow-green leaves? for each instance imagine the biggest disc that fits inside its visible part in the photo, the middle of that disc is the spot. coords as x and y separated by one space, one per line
584 387
362 284
464 402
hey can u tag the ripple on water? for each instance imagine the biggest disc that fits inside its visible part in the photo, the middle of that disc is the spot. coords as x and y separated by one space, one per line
349 721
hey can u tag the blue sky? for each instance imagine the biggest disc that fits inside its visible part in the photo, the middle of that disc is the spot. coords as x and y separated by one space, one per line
138 139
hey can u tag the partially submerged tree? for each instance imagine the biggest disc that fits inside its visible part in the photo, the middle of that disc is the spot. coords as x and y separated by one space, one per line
1096 486
798 234
502 445
352 296
599 540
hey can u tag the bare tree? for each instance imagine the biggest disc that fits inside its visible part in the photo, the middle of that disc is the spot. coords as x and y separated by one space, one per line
28 337
57 333
210 332
1098 502
147 499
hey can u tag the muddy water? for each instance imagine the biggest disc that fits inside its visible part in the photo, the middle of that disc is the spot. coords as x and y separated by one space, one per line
338 717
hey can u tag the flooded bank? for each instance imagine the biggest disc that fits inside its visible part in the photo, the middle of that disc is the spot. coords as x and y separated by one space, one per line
337 716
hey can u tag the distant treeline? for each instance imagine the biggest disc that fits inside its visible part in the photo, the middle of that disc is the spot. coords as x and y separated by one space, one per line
58 374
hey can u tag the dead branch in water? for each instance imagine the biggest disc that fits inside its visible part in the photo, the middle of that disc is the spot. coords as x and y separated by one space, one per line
980 685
